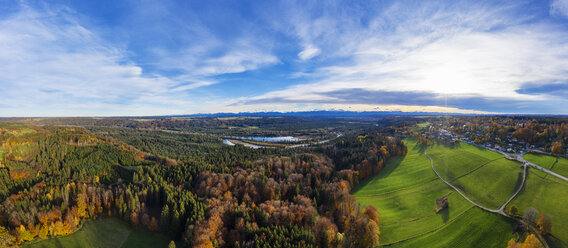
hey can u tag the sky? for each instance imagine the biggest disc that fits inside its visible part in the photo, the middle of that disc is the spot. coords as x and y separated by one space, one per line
134 58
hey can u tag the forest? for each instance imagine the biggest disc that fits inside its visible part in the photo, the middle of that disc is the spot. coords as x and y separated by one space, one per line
166 177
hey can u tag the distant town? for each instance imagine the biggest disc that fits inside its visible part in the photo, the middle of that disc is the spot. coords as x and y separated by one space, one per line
505 134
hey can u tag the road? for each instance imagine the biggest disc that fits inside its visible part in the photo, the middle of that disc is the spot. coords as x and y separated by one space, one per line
501 209
518 190
519 157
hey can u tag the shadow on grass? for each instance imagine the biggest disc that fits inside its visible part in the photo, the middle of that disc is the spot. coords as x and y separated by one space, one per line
519 181
449 145
460 187
553 241
418 147
385 172
445 214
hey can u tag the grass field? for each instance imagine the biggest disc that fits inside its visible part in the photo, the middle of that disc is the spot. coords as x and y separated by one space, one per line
483 175
547 195
542 160
419 127
561 167
492 184
549 162
28 130
453 162
399 173
410 212
405 191
103 233
475 228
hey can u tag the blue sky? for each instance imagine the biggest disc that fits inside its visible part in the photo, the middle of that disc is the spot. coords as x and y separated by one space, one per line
108 58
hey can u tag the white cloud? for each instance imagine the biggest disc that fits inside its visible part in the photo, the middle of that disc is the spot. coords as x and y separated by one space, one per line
197 59
190 86
559 7
238 60
309 52
52 63
480 52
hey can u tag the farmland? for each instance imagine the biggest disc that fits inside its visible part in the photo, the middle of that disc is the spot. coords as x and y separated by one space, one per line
411 212
468 167
558 165
404 193
547 195
475 228
400 172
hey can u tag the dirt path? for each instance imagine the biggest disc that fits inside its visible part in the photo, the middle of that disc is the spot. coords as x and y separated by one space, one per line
519 157
501 209
518 190
459 192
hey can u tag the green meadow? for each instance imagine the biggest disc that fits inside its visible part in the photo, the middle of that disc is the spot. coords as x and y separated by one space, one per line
412 211
548 196
455 161
558 165
399 173
105 233
492 184
484 176
405 194
475 228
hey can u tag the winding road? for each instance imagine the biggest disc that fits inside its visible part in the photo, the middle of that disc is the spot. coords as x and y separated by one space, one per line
501 209
519 157
518 190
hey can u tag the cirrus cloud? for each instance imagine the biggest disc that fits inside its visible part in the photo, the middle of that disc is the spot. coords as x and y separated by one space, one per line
477 57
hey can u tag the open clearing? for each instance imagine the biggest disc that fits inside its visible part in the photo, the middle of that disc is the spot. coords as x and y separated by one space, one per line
492 184
411 212
103 233
547 195
486 177
475 228
399 172
549 163
405 192
456 161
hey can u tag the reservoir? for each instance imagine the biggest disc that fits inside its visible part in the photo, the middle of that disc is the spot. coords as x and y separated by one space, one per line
272 139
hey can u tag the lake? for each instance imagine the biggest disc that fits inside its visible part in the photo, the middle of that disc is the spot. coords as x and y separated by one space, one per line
272 139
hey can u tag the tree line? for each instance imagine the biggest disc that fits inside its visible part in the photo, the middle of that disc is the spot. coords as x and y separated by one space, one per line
208 195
